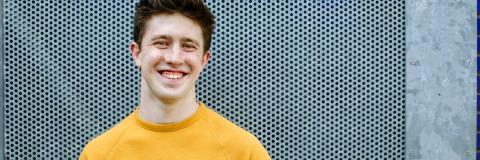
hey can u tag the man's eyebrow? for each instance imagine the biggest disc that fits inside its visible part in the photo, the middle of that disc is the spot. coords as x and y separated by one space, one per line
160 37
170 37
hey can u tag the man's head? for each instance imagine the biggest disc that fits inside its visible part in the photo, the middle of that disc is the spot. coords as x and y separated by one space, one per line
193 9
171 47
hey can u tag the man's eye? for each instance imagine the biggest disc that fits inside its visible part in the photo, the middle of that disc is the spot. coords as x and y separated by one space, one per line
161 44
189 47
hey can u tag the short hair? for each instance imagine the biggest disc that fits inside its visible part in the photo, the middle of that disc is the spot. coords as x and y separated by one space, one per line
193 9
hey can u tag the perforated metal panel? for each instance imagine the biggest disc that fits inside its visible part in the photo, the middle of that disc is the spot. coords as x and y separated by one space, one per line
312 80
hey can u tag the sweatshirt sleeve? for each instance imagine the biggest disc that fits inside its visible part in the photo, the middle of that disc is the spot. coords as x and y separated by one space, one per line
259 152
83 156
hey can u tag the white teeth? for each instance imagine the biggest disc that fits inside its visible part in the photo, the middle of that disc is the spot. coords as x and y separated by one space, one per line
172 75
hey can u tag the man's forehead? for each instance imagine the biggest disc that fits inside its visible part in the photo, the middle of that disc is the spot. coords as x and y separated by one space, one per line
173 26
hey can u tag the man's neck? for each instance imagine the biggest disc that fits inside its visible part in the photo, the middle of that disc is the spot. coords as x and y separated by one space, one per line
155 111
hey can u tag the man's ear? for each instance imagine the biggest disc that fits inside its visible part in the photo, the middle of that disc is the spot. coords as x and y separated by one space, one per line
135 51
205 58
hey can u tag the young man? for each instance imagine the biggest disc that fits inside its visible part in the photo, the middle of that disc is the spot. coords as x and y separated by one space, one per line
171 48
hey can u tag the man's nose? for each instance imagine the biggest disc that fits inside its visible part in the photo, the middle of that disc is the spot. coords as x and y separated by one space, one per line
174 56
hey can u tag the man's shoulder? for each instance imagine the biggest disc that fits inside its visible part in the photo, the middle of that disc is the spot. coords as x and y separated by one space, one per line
236 140
101 145
225 127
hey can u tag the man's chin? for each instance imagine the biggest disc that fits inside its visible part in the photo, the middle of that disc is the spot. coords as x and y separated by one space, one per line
170 97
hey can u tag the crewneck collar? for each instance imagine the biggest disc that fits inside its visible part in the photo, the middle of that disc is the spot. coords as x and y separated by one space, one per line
173 126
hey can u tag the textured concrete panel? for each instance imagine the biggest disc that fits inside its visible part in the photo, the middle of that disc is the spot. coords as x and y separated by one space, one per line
441 79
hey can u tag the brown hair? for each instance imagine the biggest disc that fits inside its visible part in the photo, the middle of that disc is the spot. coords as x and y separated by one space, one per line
193 9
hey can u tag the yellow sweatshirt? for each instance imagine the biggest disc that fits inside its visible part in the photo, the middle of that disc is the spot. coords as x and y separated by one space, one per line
205 135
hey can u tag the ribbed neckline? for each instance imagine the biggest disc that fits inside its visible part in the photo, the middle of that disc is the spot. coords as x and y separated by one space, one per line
170 127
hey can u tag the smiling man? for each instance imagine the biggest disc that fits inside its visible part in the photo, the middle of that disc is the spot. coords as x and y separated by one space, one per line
171 47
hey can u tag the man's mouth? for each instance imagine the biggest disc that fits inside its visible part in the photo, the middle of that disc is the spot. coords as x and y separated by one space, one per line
172 74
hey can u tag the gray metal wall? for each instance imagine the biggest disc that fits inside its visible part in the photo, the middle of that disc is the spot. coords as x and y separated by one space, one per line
312 80
441 71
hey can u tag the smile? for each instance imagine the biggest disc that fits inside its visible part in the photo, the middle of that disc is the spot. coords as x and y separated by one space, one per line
172 75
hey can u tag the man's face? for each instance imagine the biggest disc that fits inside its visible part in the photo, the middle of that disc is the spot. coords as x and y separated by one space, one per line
171 57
